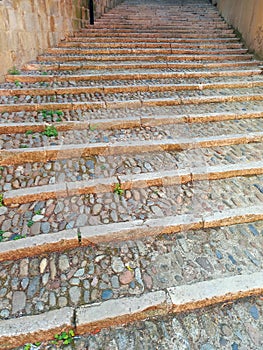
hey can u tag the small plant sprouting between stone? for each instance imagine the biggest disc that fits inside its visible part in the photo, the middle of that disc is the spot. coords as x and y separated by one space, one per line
1 235
92 127
50 131
30 223
13 71
18 83
17 237
28 346
29 132
1 200
65 337
118 189
51 113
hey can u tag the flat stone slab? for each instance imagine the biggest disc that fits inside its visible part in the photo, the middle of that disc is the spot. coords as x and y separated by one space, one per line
28 329
197 295
120 311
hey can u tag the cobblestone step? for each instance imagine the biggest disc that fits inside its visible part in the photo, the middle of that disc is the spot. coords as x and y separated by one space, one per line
100 167
107 132
141 86
74 52
187 201
150 34
117 312
139 257
86 115
131 75
147 57
212 327
162 44
128 122
139 99
64 151
128 182
46 67
136 39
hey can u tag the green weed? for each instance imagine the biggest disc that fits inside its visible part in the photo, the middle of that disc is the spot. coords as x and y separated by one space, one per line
92 127
51 113
13 71
17 237
50 131
65 337
1 200
30 223
118 189
1 235
18 83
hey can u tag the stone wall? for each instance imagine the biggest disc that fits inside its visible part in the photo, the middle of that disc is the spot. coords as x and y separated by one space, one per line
28 27
247 17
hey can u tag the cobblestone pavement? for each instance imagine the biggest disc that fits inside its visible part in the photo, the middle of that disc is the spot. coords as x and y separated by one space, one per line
181 73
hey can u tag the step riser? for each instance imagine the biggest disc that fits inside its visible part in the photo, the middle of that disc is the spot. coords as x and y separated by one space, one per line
153 65
134 45
128 89
127 123
131 76
93 235
167 178
20 156
153 57
84 39
129 36
127 104
156 30
168 51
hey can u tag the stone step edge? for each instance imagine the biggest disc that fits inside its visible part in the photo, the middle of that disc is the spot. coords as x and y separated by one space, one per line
154 34
148 58
149 102
84 39
116 312
123 231
162 44
142 65
48 153
129 88
128 122
130 76
141 50
129 182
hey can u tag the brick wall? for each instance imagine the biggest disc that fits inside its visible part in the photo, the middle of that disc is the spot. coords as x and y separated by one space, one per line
28 27
247 17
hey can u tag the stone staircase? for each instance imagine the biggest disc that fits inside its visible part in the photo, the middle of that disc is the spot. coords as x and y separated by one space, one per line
131 179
